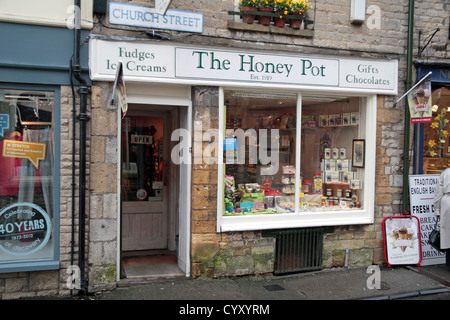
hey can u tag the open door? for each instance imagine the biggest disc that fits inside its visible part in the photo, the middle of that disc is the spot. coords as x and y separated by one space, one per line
155 193
145 204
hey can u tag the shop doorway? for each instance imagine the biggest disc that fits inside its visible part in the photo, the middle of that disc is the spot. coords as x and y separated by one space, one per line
150 192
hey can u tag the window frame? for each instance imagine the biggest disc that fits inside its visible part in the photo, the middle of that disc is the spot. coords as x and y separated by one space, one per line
306 219
47 263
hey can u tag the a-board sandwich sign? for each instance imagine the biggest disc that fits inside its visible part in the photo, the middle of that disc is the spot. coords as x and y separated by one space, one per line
421 192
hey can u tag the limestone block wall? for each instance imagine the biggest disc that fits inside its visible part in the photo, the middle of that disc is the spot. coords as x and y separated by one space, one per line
103 190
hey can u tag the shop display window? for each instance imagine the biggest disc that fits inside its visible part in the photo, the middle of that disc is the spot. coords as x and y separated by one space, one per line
272 167
260 153
27 212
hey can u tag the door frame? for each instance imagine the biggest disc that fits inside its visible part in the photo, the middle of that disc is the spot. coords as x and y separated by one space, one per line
174 98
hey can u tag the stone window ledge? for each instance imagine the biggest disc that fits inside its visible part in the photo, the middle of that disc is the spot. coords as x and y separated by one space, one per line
287 31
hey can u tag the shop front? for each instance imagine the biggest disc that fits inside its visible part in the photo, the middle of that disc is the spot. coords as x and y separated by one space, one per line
32 82
220 142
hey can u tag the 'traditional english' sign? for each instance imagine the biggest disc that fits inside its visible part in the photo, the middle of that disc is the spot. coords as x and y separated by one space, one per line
421 192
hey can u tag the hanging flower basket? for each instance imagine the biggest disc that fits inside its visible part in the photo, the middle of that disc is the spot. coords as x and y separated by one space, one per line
246 17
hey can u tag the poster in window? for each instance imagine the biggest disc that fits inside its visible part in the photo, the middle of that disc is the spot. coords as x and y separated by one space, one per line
402 245
358 155
25 228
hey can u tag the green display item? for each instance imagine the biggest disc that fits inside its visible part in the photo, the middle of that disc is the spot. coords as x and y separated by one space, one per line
252 212
252 197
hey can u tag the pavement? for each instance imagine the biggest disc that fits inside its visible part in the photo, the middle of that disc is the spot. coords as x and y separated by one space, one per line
368 283
319 293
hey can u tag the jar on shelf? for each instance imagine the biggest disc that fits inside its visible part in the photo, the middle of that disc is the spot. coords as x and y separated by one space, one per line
348 194
317 178
307 187
354 196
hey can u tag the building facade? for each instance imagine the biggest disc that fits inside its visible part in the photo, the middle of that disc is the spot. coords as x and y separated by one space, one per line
234 140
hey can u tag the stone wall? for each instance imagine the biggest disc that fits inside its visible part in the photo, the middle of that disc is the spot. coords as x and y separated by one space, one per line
103 190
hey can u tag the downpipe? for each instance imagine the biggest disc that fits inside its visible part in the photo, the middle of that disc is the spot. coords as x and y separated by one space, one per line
407 129
83 91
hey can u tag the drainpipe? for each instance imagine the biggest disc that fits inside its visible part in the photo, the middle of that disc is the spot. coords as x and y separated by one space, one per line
407 115
83 91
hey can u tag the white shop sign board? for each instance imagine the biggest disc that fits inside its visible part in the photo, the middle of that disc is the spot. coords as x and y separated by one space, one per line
421 192
145 61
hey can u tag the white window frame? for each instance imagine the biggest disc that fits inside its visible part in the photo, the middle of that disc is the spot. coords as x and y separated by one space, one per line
299 219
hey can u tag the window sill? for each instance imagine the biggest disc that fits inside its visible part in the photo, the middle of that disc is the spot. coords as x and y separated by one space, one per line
29 266
294 220
287 31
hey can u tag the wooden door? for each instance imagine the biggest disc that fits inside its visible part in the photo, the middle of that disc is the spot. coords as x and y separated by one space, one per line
144 182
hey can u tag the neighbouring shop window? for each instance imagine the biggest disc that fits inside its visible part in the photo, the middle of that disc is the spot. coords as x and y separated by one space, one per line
284 154
437 132
27 177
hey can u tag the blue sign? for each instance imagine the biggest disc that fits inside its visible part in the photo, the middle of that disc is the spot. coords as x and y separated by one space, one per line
147 17
440 74
4 123
229 144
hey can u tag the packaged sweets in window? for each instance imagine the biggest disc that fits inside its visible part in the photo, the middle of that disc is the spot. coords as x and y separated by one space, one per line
288 169
285 180
317 183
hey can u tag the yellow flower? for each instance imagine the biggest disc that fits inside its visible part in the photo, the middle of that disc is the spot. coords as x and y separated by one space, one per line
434 125
445 133
432 153
431 143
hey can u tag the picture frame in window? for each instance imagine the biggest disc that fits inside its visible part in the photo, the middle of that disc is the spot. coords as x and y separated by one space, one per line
358 153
